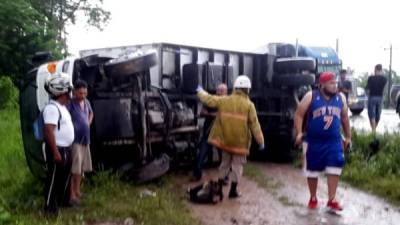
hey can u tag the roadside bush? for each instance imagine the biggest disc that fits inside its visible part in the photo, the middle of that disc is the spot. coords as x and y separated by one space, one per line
5 216
378 171
8 93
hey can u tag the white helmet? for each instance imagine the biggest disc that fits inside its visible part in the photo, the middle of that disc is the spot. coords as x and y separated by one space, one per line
58 84
242 81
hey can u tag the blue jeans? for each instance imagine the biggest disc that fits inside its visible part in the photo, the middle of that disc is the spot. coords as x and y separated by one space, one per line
205 150
375 108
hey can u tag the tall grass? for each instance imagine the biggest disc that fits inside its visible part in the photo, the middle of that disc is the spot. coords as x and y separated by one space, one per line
378 173
14 171
108 197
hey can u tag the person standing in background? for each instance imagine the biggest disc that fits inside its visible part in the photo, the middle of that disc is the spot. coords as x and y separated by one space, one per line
82 117
344 85
375 87
206 149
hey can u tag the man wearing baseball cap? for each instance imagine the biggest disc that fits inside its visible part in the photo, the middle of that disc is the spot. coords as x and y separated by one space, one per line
325 112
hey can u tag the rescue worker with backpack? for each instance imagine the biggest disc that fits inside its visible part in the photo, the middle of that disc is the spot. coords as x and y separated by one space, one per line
232 130
58 135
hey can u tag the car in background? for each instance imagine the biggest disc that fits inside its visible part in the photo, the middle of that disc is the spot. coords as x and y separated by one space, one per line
358 99
395 97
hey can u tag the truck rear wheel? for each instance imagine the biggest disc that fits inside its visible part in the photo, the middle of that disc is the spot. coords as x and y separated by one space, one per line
294 80
356 112
294 65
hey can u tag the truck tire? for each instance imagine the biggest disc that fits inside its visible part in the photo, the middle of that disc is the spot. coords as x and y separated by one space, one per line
293 80
356 112
129 66
154 169
294 65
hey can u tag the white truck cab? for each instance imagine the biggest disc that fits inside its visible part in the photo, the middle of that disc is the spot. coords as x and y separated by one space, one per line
46 70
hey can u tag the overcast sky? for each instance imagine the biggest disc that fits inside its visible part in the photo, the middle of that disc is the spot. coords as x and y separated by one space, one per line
364 28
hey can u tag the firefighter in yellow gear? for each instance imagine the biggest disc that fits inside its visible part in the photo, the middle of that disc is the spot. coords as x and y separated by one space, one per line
233 128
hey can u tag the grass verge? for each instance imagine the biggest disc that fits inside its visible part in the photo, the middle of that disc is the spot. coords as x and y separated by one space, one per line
108 198
377 173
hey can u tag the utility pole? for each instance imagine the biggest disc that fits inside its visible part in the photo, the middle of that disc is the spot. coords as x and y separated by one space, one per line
390 73
337 46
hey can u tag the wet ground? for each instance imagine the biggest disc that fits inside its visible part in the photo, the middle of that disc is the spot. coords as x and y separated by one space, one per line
390 122
286 204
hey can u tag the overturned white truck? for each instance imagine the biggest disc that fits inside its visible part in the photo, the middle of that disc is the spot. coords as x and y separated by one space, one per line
146 110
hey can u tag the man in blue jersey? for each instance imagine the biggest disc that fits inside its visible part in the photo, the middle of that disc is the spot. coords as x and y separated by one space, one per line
325 112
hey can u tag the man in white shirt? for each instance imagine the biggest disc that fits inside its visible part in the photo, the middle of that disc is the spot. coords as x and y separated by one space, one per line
58 136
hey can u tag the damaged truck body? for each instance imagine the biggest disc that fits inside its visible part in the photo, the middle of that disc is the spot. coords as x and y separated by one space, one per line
145 104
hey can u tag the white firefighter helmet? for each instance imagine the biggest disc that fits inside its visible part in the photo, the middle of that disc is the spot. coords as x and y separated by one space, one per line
242 81
58 84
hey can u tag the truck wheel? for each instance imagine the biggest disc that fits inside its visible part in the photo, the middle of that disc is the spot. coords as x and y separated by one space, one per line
356 112
129 66
294 65
294 80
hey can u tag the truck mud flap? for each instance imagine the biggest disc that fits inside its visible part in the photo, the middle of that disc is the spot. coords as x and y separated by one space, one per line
294 65
129 66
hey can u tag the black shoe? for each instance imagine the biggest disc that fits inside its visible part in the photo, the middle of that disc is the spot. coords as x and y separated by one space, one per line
233 192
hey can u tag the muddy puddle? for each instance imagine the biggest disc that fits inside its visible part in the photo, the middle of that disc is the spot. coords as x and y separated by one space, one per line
286 204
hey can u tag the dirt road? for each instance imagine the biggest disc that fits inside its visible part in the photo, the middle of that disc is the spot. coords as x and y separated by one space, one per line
286 204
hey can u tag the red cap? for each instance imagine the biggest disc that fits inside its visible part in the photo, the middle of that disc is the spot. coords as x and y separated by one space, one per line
326 76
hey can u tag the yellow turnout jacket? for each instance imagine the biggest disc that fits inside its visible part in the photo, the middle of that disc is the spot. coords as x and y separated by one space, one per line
236 121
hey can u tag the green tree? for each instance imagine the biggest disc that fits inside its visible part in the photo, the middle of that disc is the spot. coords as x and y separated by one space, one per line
8 94
30 26
363 78
23 32
395 77
63 12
